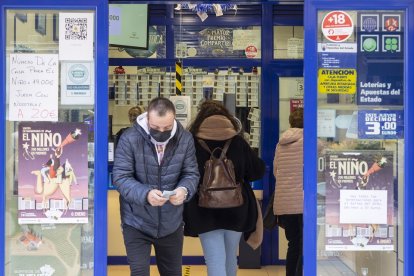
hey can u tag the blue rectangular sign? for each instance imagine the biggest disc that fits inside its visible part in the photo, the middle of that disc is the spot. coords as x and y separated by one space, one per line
386 89
380 124
380 62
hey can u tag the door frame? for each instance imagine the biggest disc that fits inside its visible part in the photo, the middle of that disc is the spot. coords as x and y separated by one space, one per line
101 116
272 72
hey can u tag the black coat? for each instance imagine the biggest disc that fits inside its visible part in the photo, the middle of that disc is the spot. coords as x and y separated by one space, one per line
118 135
248 167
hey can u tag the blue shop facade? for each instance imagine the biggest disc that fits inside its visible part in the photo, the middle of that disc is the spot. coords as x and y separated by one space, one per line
67 85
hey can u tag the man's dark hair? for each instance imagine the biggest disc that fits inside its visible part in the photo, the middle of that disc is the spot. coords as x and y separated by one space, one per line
161 106
296 118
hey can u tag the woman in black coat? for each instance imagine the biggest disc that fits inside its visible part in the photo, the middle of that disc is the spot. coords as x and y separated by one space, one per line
220 229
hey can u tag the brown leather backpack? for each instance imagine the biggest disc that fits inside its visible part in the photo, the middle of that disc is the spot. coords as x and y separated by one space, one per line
219 188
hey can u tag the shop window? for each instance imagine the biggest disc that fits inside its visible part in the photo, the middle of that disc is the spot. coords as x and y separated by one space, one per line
237 88
288 42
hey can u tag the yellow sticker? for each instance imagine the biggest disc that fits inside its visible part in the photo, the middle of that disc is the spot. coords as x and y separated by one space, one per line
337 81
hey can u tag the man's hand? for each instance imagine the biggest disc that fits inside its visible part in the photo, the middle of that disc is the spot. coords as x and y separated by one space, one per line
155 198
179 197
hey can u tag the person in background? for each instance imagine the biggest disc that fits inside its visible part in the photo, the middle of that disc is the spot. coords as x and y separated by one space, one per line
153 156
133 114
220 229
288 201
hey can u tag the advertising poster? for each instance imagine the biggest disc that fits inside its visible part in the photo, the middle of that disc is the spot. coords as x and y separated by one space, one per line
248 41
380 58
359 201
216 41
231 42
53 173
381 124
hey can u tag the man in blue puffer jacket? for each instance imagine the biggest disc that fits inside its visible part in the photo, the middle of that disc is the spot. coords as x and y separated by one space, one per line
153 156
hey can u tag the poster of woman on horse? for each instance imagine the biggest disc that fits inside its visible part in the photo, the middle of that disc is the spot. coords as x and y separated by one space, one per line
53 173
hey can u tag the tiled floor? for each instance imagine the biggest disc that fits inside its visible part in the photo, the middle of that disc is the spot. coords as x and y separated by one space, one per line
200 270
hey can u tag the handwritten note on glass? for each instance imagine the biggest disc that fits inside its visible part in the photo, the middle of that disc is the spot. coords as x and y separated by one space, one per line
33 87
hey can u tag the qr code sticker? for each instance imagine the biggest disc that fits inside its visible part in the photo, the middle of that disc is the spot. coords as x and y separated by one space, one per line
76 28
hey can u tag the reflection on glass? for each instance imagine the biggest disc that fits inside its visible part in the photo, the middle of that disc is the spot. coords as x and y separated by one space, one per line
156 46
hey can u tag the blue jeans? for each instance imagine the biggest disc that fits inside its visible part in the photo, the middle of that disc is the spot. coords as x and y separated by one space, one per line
220 251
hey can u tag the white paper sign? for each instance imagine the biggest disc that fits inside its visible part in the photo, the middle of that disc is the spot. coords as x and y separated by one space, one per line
326 123
295 48
363 206
244 38
77 83
111 151
33 87
76 36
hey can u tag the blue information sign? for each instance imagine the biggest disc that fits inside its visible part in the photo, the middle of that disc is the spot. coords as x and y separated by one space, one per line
380 58
380 124
385 87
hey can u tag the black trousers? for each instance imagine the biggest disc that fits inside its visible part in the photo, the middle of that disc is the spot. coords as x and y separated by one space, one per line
294 234
168 252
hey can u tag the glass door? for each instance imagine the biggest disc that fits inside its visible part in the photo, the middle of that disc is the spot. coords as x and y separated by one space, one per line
361 123
50 62
357 129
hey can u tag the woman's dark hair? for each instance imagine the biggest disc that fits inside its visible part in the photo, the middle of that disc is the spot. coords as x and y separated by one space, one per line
161 106
296 118
210 108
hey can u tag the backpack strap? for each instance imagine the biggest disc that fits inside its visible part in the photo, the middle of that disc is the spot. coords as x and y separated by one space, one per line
223 150
204 145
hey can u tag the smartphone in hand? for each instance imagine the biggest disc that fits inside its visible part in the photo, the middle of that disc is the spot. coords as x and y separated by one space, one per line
167 194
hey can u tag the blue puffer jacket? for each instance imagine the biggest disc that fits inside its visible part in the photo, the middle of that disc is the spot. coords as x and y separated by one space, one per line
136 171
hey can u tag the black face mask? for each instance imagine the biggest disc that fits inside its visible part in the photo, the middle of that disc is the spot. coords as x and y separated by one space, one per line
160 136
